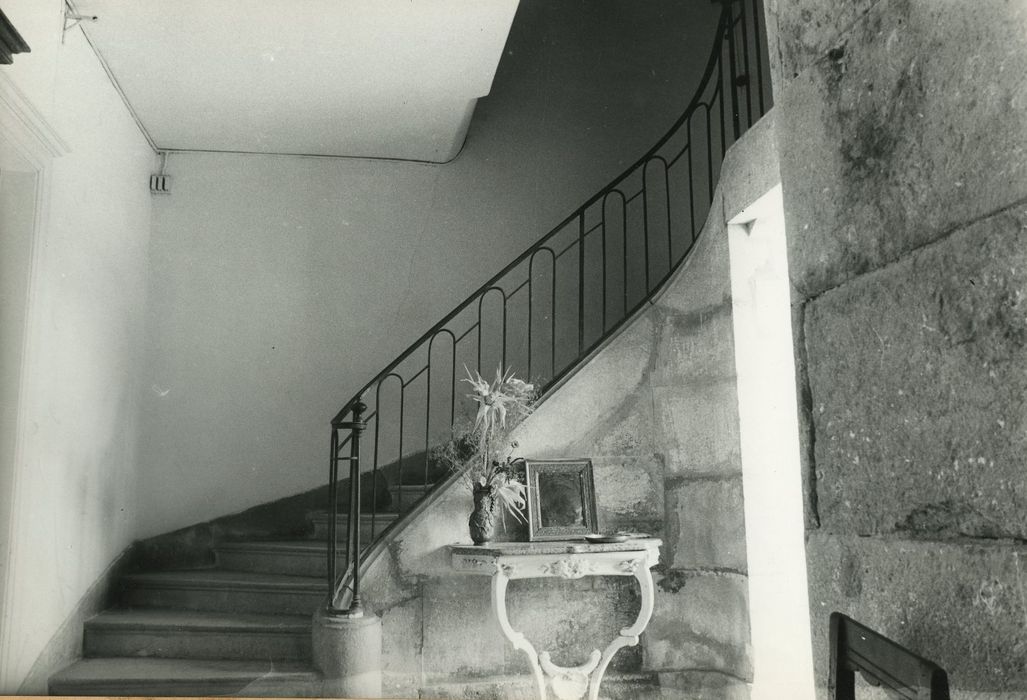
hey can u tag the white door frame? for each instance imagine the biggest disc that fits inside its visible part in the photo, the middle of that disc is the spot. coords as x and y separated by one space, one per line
26 134
771 466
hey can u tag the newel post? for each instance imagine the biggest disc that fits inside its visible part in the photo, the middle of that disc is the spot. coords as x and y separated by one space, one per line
356 426
347 644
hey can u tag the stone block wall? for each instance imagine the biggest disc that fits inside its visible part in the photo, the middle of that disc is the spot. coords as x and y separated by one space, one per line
656 411
902 128
698 640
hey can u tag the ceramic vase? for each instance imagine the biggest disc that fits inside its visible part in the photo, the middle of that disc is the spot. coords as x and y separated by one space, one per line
482 523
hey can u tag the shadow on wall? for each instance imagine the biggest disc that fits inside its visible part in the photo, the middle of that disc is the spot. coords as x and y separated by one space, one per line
283 519
281 283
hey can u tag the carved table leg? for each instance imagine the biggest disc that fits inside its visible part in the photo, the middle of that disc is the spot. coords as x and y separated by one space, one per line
517 639
629 635
569 683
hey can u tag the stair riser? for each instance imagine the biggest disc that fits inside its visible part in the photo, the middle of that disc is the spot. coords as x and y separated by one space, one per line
230 600
321 529
403 500
273 646
313 564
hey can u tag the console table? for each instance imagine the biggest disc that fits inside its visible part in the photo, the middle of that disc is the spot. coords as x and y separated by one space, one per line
567 559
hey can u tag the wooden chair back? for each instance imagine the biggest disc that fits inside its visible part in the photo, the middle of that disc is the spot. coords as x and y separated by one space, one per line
881 662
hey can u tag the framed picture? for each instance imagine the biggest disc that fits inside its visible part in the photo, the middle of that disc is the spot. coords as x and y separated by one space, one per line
561 499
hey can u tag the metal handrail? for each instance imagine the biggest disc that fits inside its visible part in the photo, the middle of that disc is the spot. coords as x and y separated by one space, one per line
740 43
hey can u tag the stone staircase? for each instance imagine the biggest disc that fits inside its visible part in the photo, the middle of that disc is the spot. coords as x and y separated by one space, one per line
241 626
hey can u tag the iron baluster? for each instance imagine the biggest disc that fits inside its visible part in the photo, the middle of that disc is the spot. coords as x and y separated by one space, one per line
581 282
733 77
356 427
333 504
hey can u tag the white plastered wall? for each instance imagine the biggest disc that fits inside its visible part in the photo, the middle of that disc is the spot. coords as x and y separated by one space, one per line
69 502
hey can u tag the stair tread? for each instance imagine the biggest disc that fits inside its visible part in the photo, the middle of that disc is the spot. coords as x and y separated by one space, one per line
415 489
297 546
189 620
379 515
114 669
224 578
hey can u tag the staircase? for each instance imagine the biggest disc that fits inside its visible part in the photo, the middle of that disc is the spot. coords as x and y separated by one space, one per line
556 305
239 627
241 623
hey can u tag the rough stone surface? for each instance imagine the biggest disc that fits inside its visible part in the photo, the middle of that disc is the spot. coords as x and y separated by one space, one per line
701 621
593 395
704 280
402 626
705 523
461 635
811 516
750 169
629 492
900 123
626 433
559 616
803 31
522 687
422 550
703 685
697 428
865 691
656 410
960 605
695 347
915 125
918 386
516 688
348 653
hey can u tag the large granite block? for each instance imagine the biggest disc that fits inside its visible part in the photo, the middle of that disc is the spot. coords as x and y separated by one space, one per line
701 622
802 31
705 524
915 124
960 605
917 390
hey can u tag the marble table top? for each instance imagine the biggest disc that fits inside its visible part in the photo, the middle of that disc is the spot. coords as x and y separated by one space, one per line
576 546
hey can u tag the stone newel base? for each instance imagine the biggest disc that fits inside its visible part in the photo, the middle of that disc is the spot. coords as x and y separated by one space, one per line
348 653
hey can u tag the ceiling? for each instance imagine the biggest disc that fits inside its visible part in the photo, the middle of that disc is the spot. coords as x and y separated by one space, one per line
365 78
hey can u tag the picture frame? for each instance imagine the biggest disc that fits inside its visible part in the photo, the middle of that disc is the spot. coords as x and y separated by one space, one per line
561 499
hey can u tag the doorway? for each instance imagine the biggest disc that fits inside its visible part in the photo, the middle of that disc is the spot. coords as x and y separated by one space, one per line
22 177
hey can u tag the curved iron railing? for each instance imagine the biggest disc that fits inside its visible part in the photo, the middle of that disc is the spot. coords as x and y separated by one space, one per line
554 304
